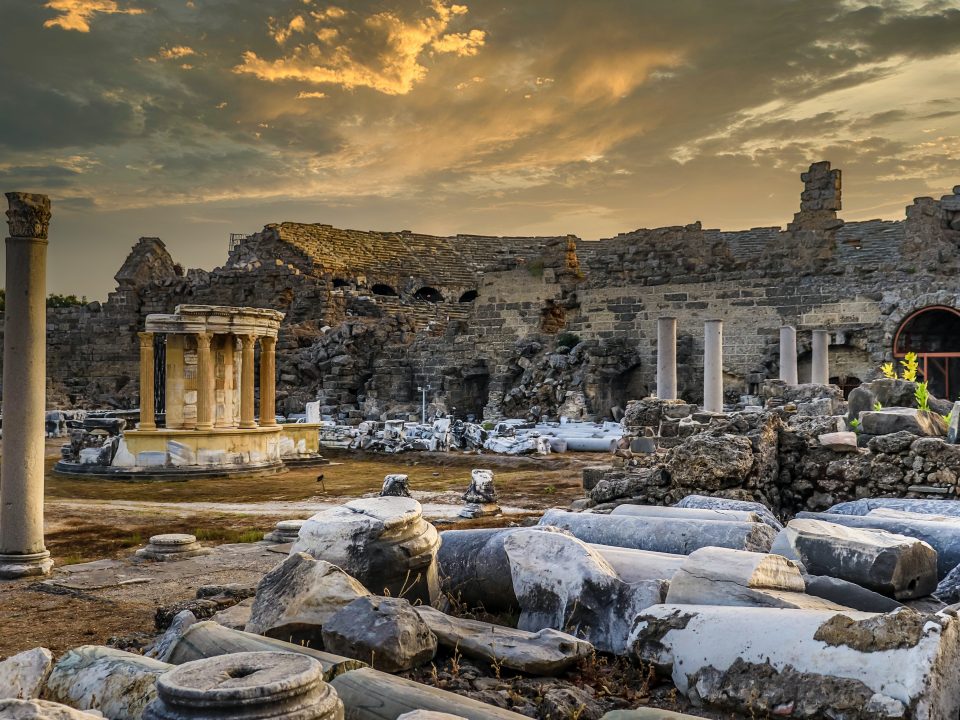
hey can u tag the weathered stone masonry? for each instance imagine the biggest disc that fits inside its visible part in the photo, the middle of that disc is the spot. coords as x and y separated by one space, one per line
541 326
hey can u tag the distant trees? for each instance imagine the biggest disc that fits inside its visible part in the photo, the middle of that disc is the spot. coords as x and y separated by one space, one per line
54 300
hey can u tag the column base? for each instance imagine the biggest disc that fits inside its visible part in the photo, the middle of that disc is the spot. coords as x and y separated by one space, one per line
20 566
249 425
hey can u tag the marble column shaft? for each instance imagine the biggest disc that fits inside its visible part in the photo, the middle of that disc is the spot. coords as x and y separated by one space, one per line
713 366
820 360
205 382
247 382
22 549
788 355
268 381
667 358
148 420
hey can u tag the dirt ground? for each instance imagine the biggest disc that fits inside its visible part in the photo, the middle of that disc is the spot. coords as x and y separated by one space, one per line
89 519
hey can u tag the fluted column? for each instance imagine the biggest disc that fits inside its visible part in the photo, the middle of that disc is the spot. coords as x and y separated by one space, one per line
268 382
788 355
246 382
205 382
148 420
820 360
713 366
667 358
22 550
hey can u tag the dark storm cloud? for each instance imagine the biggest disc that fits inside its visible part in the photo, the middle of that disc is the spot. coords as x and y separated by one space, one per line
540 116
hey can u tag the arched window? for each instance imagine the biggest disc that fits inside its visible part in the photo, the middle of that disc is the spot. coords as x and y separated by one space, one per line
933 333
469 296
428 294
381 289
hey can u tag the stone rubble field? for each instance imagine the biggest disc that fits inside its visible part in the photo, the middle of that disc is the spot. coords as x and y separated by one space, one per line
668 591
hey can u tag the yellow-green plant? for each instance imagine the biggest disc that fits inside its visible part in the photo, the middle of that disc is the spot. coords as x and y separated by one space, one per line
888 371
910 365
922 396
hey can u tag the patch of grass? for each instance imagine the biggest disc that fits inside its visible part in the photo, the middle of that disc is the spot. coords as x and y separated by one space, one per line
535 268
229 535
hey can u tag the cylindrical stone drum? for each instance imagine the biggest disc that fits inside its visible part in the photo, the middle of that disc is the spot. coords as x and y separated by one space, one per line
247 685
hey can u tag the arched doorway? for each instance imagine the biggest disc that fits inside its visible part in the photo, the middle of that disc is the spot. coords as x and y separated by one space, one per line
428 294
933 333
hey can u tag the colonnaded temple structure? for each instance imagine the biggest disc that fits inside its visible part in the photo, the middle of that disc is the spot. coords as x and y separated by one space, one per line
543 326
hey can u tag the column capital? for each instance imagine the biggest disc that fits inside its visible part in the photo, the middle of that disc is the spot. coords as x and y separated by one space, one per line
203 340
247 340
29 215
267 342
146 339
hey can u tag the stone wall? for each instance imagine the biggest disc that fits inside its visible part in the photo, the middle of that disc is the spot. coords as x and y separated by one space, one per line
483 321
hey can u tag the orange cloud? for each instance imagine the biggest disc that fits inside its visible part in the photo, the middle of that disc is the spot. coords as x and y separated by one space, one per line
178 51
380 51
77 14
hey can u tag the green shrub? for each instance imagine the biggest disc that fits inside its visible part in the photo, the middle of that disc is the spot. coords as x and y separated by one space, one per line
569 340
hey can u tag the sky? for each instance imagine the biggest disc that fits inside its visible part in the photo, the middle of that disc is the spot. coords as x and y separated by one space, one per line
192 119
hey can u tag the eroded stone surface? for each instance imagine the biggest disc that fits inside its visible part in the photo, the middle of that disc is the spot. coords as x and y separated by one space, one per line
385 632
41 710
22 675
298 596
896 565
562 583
707 501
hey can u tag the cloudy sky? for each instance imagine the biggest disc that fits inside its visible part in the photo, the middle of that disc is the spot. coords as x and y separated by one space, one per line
191 119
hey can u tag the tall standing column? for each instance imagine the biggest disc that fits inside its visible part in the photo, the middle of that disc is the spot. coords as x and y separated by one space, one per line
713 366
246 382
667 358
148 420
788 355
268 382
820 365
22 550
205 382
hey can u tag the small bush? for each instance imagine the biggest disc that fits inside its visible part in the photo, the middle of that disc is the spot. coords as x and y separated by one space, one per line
569 340
535 268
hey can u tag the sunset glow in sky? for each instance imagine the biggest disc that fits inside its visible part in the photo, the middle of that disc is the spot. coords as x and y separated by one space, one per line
191 119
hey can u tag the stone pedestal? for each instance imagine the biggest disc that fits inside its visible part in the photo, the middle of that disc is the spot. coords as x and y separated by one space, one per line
820 362
22 550
278 685
286 531
788 355
172 546
481 496
713 366
667 358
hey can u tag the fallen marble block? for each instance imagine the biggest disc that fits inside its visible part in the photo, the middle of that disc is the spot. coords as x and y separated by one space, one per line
943 537
839 441
369 694
236 616
547 652
285 531
118 684
386 633
911 420
298 596
562 583
22 675
161 648
383 542
948 589
720 576
636 565
907 515
12 709
896 565
928 507
669 535
848 594
805 663
246 686
648 713
682 513
475 569
719 503
208 639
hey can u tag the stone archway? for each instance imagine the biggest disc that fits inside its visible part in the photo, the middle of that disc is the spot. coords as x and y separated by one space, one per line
933 333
